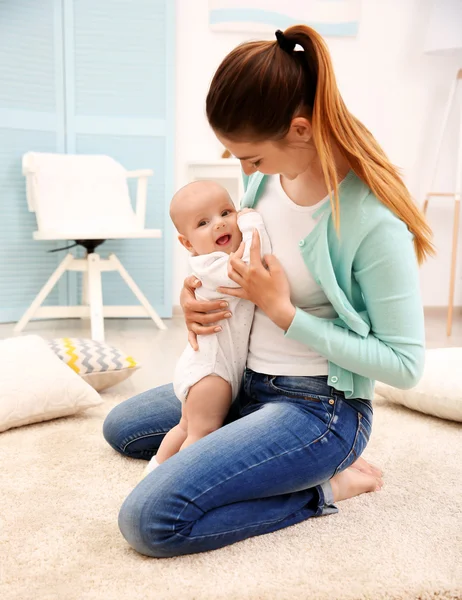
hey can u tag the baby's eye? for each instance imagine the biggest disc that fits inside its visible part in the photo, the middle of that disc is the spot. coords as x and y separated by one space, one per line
256 164
226 212
202 223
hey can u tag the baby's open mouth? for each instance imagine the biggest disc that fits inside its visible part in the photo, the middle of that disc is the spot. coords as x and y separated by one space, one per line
223 240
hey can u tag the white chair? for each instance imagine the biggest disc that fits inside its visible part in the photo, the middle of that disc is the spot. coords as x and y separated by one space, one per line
86 199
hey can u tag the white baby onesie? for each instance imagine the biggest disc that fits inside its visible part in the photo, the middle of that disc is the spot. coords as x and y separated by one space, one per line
224 353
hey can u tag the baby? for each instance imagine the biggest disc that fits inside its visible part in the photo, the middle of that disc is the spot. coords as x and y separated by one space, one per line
208 380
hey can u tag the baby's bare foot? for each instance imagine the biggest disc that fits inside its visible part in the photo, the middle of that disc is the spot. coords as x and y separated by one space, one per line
369 469
351 482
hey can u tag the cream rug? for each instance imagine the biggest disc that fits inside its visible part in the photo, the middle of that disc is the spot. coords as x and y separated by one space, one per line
61 488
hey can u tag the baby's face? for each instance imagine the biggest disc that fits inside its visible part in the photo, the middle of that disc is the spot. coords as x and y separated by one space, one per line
210 224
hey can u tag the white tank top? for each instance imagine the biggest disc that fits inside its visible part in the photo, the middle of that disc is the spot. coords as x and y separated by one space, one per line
270 352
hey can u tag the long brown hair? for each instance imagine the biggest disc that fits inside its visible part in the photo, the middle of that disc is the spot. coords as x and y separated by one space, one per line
258 89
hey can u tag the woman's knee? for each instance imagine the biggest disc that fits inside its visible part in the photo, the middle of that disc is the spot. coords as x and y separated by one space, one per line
149 519
112 429
137 426
131 523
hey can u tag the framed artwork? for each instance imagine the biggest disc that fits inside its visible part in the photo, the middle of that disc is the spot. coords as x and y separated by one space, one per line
329 17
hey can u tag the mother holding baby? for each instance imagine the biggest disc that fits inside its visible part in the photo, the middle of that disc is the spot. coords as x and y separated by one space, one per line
337 308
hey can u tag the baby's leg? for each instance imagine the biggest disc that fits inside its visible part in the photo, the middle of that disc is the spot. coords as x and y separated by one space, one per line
207 405
170 444
173 440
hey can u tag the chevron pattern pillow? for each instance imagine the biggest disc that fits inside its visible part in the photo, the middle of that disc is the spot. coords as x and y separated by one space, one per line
99 364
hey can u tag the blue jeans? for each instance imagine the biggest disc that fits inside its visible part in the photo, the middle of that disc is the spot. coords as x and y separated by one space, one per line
268 467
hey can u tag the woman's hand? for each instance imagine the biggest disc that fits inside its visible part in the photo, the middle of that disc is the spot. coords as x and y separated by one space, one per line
199 316
267 288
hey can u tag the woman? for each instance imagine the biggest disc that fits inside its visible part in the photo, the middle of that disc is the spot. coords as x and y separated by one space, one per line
339 308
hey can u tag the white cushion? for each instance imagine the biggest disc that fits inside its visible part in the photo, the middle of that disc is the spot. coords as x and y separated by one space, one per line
439 392
99 364
35 385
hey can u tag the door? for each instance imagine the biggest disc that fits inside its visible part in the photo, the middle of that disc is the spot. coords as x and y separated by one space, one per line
31 118
80 76
119 68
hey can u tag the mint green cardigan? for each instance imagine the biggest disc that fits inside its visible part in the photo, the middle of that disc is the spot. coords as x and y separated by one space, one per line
370 275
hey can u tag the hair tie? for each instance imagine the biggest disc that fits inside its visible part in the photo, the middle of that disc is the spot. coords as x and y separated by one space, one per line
285 44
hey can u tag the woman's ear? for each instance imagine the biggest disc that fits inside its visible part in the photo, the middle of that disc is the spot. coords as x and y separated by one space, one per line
185 242
300 130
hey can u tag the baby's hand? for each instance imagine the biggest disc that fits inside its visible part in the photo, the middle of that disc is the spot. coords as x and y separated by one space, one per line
245 210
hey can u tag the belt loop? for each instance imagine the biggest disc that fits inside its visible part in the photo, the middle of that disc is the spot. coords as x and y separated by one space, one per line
334 392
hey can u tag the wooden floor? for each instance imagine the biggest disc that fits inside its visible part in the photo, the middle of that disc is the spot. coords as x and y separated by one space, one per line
158 351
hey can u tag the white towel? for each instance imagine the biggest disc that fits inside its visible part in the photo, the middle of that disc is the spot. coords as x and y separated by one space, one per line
81 193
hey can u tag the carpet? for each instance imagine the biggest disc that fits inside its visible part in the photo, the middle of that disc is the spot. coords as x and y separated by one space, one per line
61 488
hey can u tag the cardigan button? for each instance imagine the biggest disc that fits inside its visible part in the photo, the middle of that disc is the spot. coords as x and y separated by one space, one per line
334 379
301 243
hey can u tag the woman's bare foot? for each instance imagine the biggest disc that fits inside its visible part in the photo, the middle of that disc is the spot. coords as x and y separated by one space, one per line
351 482
369 469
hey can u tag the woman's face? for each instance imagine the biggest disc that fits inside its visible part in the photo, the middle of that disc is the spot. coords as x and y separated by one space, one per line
290 156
